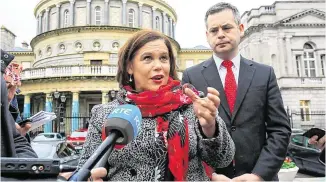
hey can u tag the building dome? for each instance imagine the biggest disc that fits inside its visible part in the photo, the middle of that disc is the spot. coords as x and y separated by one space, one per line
70 31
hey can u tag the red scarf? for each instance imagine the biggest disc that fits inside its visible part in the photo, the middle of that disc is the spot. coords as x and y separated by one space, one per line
156 103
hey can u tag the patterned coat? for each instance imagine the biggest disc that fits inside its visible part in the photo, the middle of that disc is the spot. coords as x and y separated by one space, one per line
144 158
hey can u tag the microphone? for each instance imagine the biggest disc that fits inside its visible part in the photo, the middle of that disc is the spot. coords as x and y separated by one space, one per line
120 127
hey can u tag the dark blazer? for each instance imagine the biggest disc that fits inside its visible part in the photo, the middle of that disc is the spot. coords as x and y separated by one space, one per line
12 143
259 125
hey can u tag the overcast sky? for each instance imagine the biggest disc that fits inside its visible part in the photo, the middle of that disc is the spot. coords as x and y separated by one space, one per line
17 16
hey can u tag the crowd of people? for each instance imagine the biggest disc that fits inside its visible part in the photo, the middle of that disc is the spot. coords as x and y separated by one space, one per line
238 130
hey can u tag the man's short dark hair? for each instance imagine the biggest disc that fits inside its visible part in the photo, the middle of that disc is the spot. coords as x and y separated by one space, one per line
221 7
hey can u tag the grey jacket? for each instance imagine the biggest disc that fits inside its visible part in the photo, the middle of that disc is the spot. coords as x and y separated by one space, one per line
140 160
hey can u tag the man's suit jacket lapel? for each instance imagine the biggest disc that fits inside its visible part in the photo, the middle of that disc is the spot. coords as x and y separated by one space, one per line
213 79
246 74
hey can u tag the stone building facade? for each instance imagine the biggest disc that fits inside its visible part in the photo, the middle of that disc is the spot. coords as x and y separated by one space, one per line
290 36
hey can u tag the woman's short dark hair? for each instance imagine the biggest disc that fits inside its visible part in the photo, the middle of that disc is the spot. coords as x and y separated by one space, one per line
129 49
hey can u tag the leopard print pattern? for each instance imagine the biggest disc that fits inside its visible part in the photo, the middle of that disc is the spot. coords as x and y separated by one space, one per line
142 159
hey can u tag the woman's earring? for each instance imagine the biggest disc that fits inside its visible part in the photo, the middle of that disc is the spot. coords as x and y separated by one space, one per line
130 79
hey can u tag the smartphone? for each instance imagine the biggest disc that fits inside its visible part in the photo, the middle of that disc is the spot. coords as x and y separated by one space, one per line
314 131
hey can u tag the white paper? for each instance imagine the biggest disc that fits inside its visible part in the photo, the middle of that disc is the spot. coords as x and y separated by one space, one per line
41 118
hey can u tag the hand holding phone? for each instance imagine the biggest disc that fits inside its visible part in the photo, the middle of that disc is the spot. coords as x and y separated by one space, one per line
314 132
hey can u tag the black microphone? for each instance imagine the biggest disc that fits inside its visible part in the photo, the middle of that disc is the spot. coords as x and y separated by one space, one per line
120 127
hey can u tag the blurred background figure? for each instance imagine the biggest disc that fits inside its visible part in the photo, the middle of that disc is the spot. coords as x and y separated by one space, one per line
12 143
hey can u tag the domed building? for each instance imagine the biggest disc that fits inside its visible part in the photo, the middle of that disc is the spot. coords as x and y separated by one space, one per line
73 62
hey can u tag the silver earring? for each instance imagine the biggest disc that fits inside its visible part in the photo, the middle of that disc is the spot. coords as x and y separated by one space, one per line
130 79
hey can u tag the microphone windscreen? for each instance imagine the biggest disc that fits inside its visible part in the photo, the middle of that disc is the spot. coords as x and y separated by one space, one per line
126 119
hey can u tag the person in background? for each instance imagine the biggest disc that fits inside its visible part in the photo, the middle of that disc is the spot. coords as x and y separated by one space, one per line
11 74
13 144
251 101
179 130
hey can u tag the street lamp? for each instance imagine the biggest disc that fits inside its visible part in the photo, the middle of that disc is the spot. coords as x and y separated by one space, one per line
59 108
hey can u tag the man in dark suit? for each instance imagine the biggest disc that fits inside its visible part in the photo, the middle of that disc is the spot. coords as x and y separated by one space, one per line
251 102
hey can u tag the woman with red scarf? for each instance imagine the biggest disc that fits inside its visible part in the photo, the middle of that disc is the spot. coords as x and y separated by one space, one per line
181 134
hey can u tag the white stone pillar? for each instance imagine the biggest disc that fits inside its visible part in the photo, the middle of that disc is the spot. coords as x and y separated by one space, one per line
58 15
88 12
281 57
140 15
170 27
46 19
163 22
289 55
106 11
40 23
153 17
37 24
174 27
72 12
124 12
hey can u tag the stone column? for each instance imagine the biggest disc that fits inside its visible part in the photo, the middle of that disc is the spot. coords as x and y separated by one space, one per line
170 27
153 17
37 24
71 12
281 58
46 20
174 27
75 111
124 10
294 65
163 22
106 10
88 12
48 107
58 15
140 15
289 56
105 97
40 23
27 105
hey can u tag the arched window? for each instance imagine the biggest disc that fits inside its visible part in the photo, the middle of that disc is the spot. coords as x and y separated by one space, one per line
97 15
307 46
157 23
131 18
309 60
66 18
